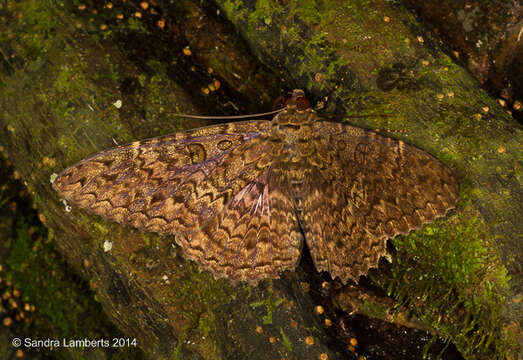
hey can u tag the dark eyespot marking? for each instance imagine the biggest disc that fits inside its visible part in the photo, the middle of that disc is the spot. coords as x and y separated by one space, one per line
250 244
157 197
82 180
110 178
289 126
107 163
224 145
197 153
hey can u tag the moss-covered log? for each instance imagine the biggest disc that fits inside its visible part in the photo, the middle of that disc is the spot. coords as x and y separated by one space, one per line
369 57
76 79
486 37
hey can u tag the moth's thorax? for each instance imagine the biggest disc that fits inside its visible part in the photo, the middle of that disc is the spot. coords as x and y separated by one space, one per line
291 142
294 116
292 132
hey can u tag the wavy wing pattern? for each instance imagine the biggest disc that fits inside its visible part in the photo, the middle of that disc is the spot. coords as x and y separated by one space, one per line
369 188
242 197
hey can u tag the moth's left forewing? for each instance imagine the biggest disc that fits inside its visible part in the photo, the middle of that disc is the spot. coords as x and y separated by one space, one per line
168 184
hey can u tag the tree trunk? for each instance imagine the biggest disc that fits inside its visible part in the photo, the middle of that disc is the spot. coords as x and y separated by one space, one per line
76 80
486 36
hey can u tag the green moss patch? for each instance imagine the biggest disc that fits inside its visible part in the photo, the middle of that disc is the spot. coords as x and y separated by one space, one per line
453 280
62 304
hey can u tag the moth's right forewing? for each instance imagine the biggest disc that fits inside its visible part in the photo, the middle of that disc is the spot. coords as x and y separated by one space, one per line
365 189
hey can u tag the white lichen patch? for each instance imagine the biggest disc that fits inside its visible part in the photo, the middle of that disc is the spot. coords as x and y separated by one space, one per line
108 245
117 104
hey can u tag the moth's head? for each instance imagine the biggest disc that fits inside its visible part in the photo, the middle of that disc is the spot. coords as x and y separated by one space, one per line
297 101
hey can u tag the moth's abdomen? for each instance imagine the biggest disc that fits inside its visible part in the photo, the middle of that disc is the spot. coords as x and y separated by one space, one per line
292 136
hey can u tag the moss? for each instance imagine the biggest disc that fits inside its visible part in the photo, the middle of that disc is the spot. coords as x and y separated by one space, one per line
38 16
233 7
25 261
63 308
208 328
63 79
177 355
374 310
286 342
264 15
265 11
314 12
447 273
136 25
270 304
199 289
197 297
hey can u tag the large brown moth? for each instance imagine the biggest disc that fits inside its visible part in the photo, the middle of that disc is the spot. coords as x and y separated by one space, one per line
242 198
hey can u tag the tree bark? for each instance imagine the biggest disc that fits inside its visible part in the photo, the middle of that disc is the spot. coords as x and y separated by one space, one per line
61 91
486 37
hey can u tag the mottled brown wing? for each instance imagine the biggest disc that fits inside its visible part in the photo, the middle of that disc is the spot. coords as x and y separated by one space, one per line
365 189
212 188
256 236
170 184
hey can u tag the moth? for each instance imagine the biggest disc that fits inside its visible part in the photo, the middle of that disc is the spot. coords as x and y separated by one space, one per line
242 198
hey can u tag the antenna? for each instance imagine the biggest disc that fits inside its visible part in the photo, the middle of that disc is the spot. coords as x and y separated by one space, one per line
227 117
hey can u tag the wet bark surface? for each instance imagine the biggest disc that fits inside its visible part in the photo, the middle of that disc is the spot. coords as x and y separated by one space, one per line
486 37
77 79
